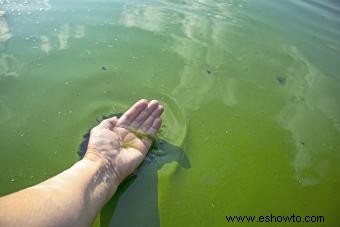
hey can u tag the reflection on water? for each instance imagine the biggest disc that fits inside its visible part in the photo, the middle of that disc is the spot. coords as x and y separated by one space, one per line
8 63
66 32
55 38
60 40
250 87
201 41
228 92
312 96
9 66
4 30
24 6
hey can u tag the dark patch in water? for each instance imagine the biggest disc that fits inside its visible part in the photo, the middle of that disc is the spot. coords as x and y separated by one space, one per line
281 79
209 71
104 67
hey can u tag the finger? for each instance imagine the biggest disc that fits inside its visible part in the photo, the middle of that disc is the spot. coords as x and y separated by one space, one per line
144 114
149 121
152 131
109 123
155 127
126 119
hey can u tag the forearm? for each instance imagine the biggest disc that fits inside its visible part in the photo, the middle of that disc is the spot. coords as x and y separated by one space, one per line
72 198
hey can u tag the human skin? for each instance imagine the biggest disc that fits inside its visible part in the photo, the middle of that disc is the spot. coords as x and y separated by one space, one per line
75 196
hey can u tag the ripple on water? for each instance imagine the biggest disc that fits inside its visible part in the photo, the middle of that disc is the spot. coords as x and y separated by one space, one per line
107 98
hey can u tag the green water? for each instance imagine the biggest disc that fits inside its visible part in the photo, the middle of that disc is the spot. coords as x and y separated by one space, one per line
251 91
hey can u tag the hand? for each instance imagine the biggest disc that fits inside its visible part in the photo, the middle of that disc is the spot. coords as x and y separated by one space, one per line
124 142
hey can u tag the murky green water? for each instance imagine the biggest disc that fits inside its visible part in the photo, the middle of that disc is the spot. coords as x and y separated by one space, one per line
251 90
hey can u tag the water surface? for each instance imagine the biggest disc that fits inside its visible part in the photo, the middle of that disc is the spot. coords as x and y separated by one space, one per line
251 90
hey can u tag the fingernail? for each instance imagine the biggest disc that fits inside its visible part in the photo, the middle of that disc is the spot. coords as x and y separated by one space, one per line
143 100
161 107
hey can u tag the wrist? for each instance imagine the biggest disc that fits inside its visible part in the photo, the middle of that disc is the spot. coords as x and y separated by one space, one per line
105 173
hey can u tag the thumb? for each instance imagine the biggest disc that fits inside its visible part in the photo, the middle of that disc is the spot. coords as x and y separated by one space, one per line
109 123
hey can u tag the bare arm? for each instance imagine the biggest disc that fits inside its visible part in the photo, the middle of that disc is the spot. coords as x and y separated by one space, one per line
72 198
75 196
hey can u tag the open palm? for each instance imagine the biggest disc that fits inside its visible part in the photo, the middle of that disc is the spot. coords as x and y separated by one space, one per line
124 142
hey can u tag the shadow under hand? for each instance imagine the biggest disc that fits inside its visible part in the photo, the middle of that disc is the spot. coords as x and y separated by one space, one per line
136 201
